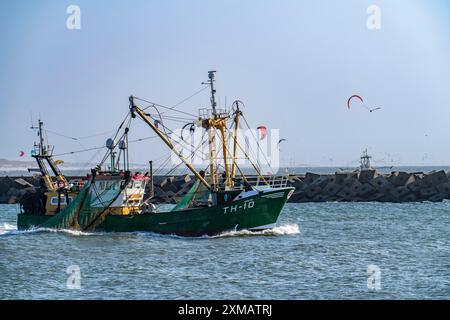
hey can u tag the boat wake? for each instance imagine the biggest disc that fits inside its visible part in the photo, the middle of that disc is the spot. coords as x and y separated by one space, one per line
289 229
9 229
283 230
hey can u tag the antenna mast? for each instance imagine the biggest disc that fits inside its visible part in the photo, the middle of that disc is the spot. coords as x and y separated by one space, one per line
211 76
42 148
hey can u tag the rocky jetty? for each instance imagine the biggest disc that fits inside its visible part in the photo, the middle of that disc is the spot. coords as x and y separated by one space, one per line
360 186
13 188
368 186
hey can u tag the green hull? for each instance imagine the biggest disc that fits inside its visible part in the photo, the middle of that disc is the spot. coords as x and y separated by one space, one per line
258 212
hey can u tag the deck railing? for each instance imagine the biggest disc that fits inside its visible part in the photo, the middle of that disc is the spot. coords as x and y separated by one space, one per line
206 113
268 181
259 182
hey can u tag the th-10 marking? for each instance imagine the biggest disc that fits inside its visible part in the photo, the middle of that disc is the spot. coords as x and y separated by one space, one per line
248 204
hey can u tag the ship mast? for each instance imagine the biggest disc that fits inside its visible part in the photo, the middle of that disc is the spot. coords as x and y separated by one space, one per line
211 76
44 152
365 161
42 148
214 121
211 130
217 121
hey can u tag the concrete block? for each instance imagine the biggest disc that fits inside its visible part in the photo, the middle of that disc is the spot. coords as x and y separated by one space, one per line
6 183
436 177
444 188
439 197
298 184
159 191
13 192
23 183
381 184
311 177
340 177
399 179
388 198
167 180
345 194
400 192
312 191
416 185
366 190
13 200
427 193
299 196
172 187
331 189
321 182
367 176
157 180
349 181
409 198
183 179
170 194
321 198
358 199
375 197
355 188
411 179
183 191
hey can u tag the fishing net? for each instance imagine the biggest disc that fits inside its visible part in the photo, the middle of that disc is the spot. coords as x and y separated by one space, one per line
67 217
98 204
198 193
187 199
90 207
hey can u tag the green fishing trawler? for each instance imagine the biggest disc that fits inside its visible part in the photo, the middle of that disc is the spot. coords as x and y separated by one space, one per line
114 200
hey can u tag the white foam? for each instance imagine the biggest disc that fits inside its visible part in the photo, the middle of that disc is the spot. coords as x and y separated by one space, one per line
9 229
67 231
6 228
283 230
287 229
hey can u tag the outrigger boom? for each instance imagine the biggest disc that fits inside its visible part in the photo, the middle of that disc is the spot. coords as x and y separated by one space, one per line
135 109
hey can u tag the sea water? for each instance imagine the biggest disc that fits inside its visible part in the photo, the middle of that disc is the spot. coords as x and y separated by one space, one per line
317 251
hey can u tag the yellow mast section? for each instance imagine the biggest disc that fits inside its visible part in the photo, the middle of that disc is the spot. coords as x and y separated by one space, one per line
48 181
225 160
212 154
233 167
212 125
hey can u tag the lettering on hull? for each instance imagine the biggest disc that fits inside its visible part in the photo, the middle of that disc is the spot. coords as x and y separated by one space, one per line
248 204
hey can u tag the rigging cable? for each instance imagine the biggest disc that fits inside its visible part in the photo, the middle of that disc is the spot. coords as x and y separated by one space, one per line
191 96
259 147
152 104
174 134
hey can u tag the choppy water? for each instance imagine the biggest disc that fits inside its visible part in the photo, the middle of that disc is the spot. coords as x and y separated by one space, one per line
319 251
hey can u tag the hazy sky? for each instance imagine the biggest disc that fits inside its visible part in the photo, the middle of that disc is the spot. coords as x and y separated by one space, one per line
293 63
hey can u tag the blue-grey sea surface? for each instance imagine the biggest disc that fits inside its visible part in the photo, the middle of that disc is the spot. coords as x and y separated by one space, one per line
318 251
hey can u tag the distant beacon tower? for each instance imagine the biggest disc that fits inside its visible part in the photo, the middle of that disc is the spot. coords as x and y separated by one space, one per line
365 161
